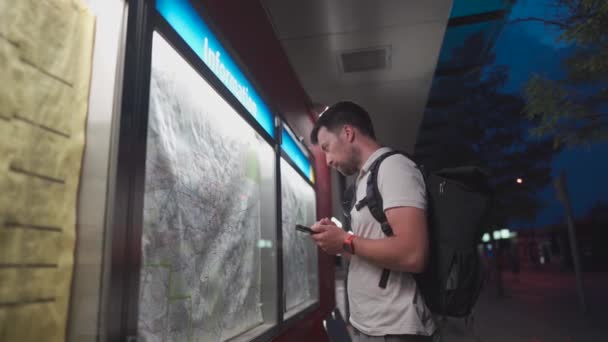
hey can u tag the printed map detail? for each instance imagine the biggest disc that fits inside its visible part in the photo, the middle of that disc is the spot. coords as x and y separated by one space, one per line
300 267
200 278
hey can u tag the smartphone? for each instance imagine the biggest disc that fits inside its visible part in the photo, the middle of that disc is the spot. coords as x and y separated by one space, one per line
304 229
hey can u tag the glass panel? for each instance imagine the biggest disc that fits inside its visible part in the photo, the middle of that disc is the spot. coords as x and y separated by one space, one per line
300 268
209 213
463 8
462 45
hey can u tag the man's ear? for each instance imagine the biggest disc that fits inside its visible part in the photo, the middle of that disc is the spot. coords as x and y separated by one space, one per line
349 133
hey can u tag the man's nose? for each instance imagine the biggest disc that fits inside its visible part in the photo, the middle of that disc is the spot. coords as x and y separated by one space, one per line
329 161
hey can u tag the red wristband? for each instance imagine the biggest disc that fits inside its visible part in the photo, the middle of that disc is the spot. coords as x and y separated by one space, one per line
348 245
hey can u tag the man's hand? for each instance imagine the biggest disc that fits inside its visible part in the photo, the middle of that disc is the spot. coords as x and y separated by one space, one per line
328 236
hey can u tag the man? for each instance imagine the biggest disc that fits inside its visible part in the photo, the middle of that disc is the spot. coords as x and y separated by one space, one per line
397 312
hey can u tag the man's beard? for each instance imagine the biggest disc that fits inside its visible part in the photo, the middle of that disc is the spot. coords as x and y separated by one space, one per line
347 169
350 167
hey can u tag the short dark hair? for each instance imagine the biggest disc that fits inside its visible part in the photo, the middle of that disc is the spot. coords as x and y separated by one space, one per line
340 114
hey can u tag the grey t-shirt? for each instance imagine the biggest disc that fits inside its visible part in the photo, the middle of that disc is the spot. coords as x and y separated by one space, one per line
398 308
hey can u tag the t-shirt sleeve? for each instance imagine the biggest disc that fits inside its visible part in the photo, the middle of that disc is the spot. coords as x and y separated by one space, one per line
401 183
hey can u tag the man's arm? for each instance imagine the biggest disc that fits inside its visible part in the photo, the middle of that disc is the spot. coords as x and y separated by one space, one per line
406 250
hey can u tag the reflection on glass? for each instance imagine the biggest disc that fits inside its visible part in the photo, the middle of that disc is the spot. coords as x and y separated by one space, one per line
300 268
209 200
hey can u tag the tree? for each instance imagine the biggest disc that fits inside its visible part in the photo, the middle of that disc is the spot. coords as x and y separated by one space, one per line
468 121
574 110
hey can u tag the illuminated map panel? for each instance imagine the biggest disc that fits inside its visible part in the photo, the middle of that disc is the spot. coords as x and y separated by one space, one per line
206 170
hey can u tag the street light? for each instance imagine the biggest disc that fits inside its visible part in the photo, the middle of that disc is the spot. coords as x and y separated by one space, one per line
485 237
519 180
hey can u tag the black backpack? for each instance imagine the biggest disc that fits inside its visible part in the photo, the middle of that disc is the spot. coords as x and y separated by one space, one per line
458 201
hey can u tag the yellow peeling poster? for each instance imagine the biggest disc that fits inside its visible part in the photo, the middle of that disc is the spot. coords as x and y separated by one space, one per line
45 68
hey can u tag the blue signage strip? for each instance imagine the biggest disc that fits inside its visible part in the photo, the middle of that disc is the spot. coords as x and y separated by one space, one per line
190 26
296 154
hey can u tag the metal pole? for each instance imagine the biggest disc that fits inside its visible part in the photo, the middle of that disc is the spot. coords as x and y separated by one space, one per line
562 195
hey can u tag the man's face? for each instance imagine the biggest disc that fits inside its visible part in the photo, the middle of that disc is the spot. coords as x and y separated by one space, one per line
339 152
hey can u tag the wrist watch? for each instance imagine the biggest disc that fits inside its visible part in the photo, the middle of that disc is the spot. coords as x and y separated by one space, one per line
348 245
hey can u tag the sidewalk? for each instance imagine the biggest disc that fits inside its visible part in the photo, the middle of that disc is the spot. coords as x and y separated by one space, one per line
537 307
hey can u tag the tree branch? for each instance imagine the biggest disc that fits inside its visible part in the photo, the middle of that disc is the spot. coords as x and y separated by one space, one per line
545 21
598 116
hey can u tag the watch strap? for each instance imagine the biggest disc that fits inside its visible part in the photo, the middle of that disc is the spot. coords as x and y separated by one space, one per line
348 244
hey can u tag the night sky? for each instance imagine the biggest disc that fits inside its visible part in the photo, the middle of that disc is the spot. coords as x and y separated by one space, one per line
532 47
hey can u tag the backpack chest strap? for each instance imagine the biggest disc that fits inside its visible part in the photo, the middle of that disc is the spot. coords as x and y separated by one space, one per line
384 225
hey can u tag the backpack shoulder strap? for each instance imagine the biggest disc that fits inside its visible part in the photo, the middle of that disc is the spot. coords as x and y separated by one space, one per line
373 198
